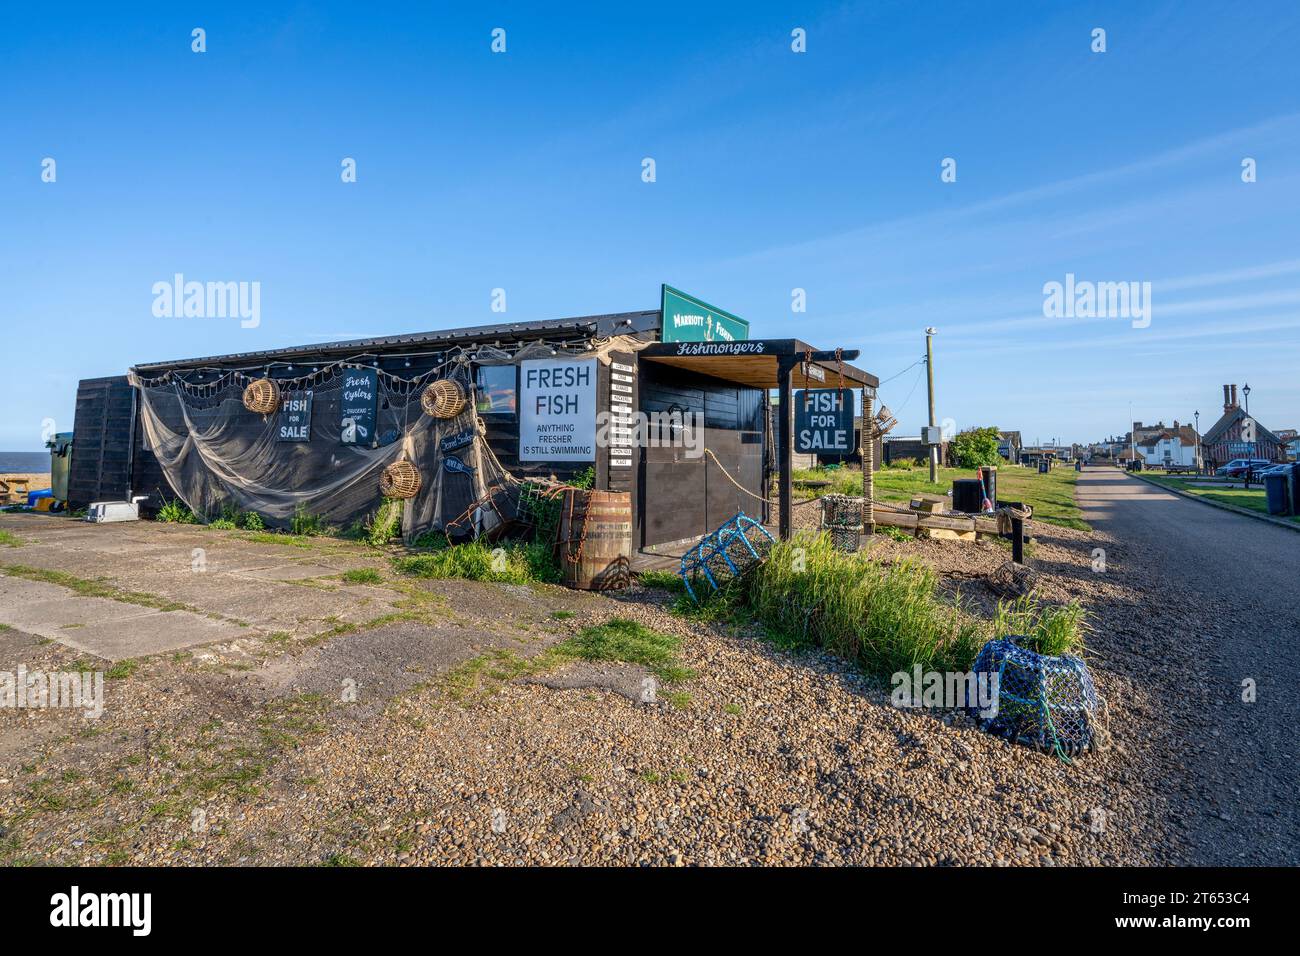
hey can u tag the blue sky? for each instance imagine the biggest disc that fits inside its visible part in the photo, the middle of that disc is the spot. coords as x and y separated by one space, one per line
775 171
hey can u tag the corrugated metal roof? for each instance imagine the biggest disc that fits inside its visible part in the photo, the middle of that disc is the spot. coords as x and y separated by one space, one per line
607 324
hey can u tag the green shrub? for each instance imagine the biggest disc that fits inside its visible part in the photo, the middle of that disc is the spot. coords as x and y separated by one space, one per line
885 617
176 512
514 563
222 524
585 478
253 522
975 447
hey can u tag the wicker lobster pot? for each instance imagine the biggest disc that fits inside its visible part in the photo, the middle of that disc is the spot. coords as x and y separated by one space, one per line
262 396
401 479
443 399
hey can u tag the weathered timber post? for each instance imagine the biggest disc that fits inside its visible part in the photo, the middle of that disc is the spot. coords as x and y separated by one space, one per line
868 454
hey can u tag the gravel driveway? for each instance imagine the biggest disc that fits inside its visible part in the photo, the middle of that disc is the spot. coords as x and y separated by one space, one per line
1223 608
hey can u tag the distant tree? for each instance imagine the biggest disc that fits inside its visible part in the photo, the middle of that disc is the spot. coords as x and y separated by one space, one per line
975 447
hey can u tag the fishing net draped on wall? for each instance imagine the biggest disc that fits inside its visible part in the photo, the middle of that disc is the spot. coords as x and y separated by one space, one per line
216 454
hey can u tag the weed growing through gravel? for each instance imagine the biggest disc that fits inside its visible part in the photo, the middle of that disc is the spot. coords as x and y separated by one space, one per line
175 512
516 563
363 576
618 640
631 643
664 580
10 540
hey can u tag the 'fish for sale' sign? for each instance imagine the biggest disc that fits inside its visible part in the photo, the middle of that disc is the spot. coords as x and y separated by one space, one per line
295 416
557 410
823 421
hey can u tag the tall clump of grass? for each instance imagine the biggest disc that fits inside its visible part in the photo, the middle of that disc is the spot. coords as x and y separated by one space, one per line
515 563
386 523
885 617
1048 629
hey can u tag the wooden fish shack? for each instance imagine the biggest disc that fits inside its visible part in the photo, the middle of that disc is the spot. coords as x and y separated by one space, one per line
676 408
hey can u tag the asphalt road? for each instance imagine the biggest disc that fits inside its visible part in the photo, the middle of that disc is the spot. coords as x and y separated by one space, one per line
1221 607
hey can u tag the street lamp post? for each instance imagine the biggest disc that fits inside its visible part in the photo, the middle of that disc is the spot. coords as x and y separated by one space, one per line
1245 390
1197 416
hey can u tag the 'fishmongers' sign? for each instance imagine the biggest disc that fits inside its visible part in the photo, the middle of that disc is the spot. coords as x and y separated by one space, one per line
823 421
295 417
557 410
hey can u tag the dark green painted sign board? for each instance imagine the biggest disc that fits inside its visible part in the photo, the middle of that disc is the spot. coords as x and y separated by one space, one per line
687 319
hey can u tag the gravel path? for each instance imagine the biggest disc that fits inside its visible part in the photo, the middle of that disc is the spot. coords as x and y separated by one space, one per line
1223 608
247 752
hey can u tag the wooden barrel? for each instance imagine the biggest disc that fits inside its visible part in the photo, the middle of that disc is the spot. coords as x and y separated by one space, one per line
595 541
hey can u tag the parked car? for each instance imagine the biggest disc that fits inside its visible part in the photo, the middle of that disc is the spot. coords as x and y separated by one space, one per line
1239 466
1275 470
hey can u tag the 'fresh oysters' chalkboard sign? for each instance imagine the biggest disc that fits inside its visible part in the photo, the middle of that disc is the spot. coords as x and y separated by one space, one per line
295 416
357 408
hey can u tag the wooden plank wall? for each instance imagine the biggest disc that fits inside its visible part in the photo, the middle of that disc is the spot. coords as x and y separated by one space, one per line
101 448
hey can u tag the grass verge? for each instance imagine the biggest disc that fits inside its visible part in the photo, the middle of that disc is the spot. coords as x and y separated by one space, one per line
1051 494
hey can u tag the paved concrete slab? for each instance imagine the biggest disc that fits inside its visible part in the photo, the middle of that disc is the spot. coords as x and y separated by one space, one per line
288 572
109 629
154 633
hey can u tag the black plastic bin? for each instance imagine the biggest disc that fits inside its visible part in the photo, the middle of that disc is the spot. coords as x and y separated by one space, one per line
1275 494
967 493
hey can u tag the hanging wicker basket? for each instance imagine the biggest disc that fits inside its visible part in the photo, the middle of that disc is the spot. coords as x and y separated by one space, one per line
401 479
262 396
443 399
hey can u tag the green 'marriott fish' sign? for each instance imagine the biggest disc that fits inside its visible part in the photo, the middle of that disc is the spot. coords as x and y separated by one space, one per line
687 319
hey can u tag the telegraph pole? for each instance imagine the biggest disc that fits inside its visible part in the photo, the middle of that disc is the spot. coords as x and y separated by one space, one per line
930 333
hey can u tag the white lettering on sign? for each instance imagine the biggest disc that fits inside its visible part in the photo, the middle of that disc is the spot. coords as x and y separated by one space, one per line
621 378
557 410
620 388
620 462
618 366
625 399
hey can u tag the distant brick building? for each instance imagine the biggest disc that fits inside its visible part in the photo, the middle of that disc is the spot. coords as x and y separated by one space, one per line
1235 435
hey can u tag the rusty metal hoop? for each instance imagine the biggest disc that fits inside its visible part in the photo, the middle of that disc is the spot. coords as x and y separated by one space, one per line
443 399
262 396
401 479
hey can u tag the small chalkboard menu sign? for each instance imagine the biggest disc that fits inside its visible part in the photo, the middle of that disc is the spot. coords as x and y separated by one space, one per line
357 408
295 416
